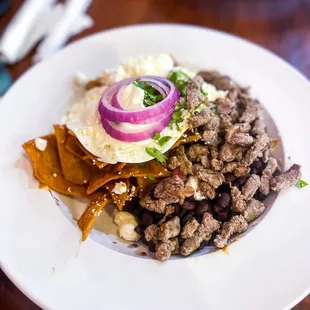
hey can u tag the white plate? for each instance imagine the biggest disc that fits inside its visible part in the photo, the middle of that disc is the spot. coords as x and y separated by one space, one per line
41 251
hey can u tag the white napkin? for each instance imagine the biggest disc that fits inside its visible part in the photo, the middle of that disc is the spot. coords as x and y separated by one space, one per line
63 28
35 20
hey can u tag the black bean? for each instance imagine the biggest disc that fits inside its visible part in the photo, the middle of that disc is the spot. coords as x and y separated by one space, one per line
180 239
144 241
182 212
146 218
186 218
137 210
229 178
224 200
257 167
176 209
169 217
223 188
217 209
241 180
222 216
254 171
140 229
188 205
257 164
152 247
198 218
260 196
131 205
157 217
202 207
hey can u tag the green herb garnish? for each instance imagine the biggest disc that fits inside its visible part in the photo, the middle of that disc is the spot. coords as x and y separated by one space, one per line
151 178
203 92
180 79
180 106
156 154
301 183
176 119
163 140
156 136
151 95
213 109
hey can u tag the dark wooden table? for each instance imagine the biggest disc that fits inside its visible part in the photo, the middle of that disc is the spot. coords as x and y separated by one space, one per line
282 26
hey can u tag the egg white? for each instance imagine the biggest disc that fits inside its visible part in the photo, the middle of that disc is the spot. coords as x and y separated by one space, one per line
84 120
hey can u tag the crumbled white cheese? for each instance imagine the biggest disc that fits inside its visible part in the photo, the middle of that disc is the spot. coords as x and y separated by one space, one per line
80 79
159 65
127 232
126 223
119 188
40 144
194 184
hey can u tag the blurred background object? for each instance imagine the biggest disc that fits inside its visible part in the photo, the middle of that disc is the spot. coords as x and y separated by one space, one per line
4 5
282 26
47 20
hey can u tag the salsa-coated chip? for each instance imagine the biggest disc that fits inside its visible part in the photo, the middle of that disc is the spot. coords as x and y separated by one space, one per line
121 191
48 171
87 156
152 168
74 169
94 209
73 147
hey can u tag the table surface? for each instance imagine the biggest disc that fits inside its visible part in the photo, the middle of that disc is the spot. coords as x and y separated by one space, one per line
282 26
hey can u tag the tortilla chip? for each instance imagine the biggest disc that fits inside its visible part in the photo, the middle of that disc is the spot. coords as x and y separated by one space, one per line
153 168
85 155
47 168
94 209
121 199
74 169
72 146
189 139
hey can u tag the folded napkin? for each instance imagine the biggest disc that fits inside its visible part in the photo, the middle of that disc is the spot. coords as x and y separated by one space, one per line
37 19
64 28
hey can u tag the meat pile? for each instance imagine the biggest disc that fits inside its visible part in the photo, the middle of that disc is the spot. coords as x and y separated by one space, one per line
219 183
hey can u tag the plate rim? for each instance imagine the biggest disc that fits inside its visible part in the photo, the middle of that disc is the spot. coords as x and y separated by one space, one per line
6 270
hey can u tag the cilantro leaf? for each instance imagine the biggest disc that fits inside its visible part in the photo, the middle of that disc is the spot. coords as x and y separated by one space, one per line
203 92
301 183
156 154
151 178
139 84
151 95
156 136
180 79
163 140
177 117
213 109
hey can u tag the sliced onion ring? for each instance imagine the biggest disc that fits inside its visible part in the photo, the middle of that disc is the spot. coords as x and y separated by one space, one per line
113 111
118 134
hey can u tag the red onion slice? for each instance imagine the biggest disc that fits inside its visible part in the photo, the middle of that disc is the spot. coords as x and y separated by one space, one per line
113 112
118 134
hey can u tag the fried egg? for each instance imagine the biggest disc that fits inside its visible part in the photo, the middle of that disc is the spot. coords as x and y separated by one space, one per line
84 120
